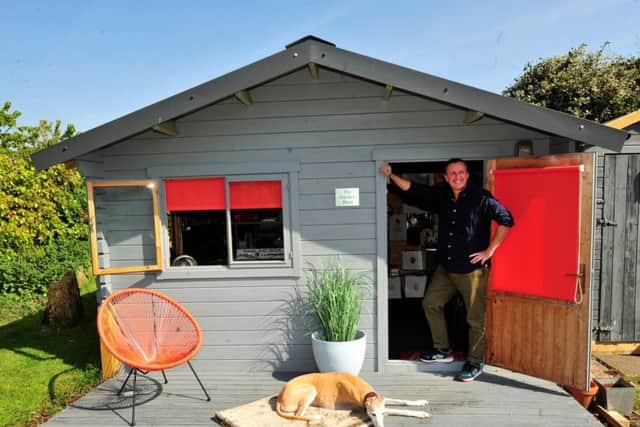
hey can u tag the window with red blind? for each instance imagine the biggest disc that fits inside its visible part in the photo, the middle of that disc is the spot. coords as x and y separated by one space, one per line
222 221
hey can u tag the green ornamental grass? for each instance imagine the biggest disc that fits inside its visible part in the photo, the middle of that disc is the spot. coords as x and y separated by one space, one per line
335 295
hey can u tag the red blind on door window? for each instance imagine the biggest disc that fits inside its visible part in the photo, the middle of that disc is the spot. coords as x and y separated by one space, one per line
255 194
540 256
203 194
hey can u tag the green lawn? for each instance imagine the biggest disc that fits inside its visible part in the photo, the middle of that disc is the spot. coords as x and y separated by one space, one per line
42 368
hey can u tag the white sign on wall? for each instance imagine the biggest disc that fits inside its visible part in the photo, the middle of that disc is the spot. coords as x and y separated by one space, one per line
347 197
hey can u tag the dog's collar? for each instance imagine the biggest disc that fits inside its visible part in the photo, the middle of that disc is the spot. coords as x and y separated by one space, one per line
369 395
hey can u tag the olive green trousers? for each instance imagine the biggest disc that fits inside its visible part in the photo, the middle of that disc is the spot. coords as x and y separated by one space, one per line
443 287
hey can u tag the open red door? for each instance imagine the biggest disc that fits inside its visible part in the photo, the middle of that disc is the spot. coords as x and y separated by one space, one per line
538 305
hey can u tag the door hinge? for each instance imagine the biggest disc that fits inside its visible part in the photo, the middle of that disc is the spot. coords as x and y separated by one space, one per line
603 328
606 222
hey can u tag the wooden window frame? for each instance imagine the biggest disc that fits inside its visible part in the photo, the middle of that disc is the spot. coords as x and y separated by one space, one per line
93 238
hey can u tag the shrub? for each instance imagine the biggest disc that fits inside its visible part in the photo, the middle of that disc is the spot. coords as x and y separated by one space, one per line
31 272
43 230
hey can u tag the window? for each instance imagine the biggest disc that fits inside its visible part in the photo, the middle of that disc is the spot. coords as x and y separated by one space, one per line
125 226
232 221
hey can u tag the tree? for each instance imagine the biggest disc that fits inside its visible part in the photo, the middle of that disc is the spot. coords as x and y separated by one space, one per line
592 85
24 140
43 230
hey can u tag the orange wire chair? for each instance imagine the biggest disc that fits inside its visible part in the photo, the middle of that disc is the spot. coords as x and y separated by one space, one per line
148 331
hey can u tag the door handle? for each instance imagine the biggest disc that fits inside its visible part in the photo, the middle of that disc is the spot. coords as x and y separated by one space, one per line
581 285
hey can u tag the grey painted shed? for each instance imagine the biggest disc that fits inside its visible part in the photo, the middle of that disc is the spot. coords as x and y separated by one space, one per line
314 118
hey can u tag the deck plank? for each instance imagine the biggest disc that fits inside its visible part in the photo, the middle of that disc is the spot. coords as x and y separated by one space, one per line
498 397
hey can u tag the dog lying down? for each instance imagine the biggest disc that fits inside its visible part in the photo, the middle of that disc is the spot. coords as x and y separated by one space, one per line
333 390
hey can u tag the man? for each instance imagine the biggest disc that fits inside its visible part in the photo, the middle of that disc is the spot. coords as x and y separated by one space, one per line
465 246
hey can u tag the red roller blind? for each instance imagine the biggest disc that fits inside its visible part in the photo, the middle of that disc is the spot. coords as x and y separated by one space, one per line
255 194
204 194
542 249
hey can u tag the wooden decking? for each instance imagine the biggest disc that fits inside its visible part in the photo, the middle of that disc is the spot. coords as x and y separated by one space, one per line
497 398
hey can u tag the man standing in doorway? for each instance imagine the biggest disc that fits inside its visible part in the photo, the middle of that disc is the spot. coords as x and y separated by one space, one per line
465 247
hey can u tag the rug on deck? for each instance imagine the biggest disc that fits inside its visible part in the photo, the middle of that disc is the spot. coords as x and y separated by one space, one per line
261 413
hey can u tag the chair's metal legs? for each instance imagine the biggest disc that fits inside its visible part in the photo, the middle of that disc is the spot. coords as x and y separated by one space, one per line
133 402
134 371
125 381
199 382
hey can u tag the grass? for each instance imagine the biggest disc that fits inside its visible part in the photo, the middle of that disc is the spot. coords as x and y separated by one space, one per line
43 368
634 380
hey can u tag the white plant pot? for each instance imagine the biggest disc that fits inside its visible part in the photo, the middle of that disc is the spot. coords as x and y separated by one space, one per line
341 356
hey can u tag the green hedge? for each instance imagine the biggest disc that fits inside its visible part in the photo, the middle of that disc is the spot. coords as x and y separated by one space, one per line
43 220
31 271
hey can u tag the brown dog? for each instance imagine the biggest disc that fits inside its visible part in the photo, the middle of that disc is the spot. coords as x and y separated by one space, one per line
332 390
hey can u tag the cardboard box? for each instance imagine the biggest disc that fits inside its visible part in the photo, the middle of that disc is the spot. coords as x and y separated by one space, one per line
397 227
414 260
395 252
415 285
394 202
395 287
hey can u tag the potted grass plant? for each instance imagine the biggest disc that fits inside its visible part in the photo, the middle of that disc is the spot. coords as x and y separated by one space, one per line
335 296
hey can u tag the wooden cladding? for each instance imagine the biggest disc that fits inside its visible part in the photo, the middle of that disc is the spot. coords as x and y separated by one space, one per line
619 225
543 340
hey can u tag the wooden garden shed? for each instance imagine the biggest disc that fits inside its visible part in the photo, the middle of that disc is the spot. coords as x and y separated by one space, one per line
223 194
616 302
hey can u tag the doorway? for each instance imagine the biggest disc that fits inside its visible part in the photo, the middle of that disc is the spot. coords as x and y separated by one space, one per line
411 248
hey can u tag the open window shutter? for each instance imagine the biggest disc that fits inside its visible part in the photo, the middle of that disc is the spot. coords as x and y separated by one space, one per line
124 226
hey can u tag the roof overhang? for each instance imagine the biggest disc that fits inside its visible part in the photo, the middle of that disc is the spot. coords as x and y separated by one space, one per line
625 121
313 50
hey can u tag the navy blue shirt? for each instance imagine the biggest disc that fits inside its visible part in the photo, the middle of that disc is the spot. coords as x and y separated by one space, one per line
465 224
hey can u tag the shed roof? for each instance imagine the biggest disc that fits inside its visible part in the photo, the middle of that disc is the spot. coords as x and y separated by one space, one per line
625 121
311 49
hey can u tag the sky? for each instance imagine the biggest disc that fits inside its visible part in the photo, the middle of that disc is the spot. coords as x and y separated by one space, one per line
89 62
